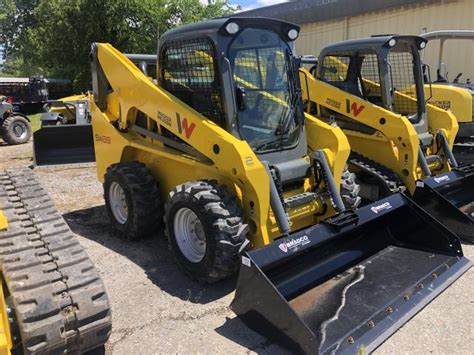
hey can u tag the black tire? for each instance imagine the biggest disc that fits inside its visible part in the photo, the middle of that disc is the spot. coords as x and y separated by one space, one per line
222 224
141 197
9 130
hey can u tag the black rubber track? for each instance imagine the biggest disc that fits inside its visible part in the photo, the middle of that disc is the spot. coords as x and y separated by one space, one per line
386 178
222 221
57 295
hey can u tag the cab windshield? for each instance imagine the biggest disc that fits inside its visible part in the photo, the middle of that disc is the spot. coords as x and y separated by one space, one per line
265 81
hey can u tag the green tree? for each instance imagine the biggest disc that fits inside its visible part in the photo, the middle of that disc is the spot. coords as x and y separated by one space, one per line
15 17
53 37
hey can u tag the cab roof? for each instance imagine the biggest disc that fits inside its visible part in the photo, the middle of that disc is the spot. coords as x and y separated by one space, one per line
369 43
215 25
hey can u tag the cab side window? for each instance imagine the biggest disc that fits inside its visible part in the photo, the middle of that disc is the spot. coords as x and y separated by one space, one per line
188 70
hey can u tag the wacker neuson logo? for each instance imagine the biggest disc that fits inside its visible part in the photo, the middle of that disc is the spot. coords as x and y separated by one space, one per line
384 206
294 243
441 179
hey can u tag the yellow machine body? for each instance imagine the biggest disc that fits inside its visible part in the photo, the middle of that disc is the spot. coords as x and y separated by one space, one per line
64 111
235 165
451 98
5 336
394 141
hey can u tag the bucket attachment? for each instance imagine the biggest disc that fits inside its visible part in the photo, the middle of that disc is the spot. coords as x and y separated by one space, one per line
67 144
350 282
449 198
464 152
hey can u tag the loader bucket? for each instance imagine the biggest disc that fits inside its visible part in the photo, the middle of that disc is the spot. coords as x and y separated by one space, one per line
450 199
348 283
464 152
67 144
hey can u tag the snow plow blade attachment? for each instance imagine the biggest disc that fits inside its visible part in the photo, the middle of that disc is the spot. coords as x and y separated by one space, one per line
67 144
348 283
450 199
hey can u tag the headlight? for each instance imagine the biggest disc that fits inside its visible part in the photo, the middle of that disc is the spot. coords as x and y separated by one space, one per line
392 42
232 28
422 45
293 34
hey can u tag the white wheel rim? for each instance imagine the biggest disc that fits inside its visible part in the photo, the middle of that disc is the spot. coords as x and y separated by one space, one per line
118 202
189 235
20 130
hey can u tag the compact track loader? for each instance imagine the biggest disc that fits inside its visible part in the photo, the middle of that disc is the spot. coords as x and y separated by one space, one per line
373 89
221 150
454 94
52 300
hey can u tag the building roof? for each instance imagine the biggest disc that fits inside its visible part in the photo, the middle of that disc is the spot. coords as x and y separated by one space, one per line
307 11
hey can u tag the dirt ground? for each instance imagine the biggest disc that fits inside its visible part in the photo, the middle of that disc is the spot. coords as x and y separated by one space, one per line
158 310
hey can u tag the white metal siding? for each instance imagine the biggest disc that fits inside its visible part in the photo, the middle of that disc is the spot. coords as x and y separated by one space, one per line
447 14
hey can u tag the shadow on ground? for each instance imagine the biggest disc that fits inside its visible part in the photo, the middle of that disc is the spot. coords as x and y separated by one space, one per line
151 254
234 329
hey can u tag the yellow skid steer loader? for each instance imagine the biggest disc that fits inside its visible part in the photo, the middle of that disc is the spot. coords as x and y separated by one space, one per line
373 89
221 150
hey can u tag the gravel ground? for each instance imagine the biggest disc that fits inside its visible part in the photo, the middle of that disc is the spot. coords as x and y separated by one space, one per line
158 310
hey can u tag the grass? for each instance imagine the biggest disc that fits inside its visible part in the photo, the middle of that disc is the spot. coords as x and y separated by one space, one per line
35 121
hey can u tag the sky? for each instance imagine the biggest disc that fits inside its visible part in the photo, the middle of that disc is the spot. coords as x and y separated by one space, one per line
252 4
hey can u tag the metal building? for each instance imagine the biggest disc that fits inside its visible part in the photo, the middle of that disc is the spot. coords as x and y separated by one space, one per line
327 21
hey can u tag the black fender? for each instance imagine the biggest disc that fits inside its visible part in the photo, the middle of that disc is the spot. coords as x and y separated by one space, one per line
9 114
17 114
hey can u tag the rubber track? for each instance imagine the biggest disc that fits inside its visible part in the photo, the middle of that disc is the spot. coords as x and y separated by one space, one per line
390 180
58 297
